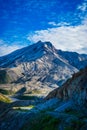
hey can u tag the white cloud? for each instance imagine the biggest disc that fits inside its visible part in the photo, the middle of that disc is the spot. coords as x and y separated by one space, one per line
71 38
52 23
58 24
82 7
5 48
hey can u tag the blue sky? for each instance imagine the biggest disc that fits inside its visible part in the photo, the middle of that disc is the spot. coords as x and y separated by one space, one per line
63 22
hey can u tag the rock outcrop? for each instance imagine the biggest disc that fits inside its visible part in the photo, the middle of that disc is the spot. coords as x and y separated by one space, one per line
74 89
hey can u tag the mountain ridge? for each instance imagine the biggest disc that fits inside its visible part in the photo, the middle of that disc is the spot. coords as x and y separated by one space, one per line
42 48
38 48
38 66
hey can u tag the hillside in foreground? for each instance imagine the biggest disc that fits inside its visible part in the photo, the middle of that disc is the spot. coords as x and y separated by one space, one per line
63 108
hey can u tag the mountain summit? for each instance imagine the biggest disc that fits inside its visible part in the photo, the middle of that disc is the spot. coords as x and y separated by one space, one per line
26 54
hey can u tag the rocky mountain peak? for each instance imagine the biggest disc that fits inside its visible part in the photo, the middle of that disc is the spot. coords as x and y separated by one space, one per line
47 43
45 46
28 54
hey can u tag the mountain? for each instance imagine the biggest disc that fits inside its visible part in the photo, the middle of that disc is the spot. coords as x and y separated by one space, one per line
38 67
77 60
74 89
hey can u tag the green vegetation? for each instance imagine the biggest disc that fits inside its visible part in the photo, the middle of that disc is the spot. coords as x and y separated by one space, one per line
76 113
47 110
42 122
24 108
6 92
4 77
35 91
71 111
5 99
27 97
75 125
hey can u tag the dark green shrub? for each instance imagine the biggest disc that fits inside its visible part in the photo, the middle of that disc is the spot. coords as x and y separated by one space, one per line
4 77
42 122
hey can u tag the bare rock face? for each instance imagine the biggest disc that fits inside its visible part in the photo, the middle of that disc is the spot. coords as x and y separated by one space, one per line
75 59
74 89
38 66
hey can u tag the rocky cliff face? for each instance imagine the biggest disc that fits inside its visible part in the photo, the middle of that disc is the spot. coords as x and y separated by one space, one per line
74 89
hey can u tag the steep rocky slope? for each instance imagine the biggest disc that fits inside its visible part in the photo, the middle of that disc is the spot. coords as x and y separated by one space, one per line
73 89
77 60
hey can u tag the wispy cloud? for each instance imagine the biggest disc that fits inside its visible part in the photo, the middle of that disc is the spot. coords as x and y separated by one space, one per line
5 48
71 38
58 24
52 23
83 6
